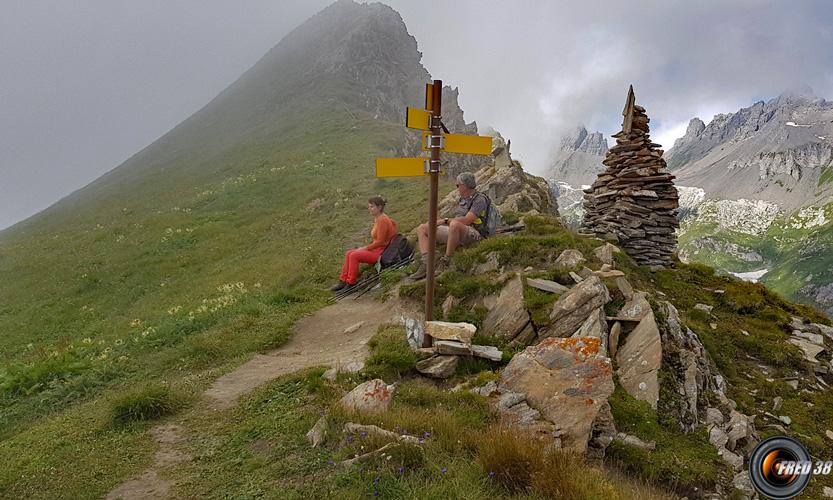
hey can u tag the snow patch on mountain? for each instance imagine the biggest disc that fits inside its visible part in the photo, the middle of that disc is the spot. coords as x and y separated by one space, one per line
752 276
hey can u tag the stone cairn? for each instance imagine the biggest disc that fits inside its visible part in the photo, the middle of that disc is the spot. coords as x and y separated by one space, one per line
634 201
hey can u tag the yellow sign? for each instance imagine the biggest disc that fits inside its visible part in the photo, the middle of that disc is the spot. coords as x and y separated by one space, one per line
401 167
457 143
417 118
429 96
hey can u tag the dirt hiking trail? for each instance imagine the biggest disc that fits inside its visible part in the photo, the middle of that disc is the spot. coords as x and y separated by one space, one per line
333 336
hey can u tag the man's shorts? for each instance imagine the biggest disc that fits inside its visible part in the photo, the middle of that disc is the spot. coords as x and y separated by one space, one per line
470 235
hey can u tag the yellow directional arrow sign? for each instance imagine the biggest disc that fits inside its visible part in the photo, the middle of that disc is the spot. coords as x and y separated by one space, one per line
457 143
401 167
417 118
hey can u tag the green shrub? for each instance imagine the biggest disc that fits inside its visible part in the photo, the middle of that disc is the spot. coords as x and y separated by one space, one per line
27 378
148 403
391 356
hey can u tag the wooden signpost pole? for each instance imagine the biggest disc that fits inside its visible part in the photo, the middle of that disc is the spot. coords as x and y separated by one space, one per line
434 170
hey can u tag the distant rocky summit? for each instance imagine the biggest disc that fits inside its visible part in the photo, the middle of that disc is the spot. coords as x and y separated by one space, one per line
578 158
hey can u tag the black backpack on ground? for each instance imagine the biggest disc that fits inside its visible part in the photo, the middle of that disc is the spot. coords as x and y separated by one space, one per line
399 250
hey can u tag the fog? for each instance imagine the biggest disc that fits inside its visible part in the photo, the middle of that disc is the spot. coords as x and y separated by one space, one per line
84 85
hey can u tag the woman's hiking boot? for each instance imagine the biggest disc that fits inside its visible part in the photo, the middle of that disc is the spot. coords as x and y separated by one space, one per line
340 286
421 272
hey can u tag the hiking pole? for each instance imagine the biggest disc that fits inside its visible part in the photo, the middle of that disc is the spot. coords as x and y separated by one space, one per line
378 277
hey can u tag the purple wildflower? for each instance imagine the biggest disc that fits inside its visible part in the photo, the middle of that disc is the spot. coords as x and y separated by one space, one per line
376 480
363 434
491 473
331 462
375 493
444 470
402 470
427 434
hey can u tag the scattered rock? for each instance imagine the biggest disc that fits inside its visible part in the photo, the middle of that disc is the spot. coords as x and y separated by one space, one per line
827 491
546 285
443 330
569 259
733 459
605 253
351 367
624 287
352 428
812 337
414 330
578 381
610 274
509 315
739 431
353 328
487 390
509 399
639 360
448 304
744 333
585 273
318 434
714 416
373 395
487 352
452 347
787 420
742 483
635 309
810 349
776 403
491 264
713 326
613 338
524 338
594 326
438 366
792 382
703 307
718 437
576 277
425 352
573 308
829 434
635 441
602 433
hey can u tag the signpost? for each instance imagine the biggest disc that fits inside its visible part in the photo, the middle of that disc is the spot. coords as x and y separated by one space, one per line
433 140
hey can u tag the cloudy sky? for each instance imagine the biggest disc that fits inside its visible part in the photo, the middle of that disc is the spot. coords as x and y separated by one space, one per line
85 84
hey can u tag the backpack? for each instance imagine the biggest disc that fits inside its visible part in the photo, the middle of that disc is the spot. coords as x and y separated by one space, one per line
397 251
492 220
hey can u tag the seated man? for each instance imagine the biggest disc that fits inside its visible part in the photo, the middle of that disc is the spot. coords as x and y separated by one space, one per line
462 229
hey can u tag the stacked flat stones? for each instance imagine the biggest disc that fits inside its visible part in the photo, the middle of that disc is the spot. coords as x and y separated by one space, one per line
634 201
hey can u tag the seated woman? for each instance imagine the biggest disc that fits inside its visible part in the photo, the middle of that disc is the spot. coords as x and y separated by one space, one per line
383 232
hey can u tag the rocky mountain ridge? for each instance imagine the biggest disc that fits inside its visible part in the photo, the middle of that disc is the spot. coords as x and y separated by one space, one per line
578 157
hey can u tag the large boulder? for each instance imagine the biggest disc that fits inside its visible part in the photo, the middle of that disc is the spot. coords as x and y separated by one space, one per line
639 360
567 381
507 316
371 396
572 309
509 187
438 367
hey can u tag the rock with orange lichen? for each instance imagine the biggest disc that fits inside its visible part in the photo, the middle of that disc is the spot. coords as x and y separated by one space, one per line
567 380
373 395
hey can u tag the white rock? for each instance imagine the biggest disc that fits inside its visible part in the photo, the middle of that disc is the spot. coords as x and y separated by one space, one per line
787 420
443 330
352 328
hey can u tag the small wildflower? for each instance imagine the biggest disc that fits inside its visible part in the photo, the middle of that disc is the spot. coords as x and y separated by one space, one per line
86 340
30 346
376 493
331 462
421 440
136 322
491 473
363 434
376 480
444 470
427 435
402 470
118 342
123 358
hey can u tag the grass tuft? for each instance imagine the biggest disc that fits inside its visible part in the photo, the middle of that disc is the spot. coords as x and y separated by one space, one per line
148 403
